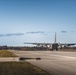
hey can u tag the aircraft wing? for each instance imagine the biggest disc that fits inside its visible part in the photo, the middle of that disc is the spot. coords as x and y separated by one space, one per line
38 43
68 44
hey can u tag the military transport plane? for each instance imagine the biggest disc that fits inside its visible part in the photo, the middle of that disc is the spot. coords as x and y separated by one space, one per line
54 45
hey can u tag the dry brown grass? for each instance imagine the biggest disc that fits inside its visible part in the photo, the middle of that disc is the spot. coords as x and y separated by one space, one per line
5 53
20 68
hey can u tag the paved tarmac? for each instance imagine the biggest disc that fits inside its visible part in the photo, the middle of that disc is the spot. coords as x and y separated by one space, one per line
54 62
9 59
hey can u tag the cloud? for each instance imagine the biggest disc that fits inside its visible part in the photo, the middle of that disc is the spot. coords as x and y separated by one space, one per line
63 31
11 34
35 32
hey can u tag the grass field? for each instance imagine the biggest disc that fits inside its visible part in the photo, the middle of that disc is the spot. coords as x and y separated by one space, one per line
5 53
20 68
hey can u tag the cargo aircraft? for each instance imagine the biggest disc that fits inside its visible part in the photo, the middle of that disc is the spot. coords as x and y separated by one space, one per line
54 45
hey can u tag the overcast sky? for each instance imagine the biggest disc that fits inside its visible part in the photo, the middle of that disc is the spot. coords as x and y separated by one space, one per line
37 21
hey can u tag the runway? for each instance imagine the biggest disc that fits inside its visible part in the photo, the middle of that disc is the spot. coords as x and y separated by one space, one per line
54 62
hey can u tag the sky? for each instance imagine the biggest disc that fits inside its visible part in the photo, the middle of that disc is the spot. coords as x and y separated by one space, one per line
37 21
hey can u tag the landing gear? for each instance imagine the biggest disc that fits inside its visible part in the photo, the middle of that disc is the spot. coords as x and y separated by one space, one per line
56 49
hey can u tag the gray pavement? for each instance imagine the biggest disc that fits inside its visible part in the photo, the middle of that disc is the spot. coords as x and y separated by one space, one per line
9 59
54 62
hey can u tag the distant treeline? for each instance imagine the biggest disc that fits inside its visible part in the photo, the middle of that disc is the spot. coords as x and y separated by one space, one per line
29 48
3 47
22 48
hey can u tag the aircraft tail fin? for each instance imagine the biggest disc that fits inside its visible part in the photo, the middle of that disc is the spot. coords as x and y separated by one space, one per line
55 38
